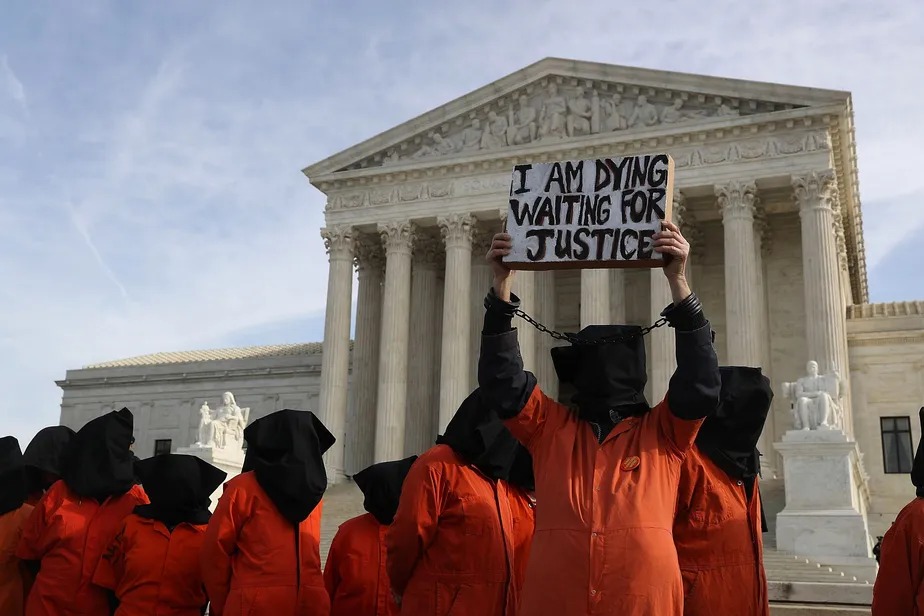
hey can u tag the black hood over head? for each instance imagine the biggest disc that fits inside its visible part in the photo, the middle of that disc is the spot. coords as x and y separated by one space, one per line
179 487
43 457
284 450
917 470
730 436
606 376
12 475
98 461
381 485
480 437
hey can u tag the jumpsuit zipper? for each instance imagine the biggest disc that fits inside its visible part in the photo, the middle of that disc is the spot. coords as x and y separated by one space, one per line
298 567
500 519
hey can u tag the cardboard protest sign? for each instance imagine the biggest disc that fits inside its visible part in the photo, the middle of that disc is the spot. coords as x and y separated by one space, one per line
594 213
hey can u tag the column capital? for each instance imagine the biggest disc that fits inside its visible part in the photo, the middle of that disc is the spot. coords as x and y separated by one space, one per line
428 251
457 229
481 240
736 199
338 241
685 219
839 238
368 252
398 236
814 190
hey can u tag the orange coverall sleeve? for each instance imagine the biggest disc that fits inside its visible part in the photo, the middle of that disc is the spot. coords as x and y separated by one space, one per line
110 567
35 540
415 523
540 415
899 575
332 566
218 548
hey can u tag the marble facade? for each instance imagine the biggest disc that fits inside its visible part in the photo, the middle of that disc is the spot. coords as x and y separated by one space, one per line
766 192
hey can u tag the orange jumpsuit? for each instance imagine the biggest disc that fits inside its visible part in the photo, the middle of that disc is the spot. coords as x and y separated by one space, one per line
717 532
15 579
153 571
355 573
460 541
254 561
613 529
899 589
69 535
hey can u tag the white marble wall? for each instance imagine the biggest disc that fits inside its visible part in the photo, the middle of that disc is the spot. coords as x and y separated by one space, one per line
165 398
887 380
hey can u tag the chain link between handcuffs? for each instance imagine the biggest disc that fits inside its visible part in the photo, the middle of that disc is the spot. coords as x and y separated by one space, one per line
581 340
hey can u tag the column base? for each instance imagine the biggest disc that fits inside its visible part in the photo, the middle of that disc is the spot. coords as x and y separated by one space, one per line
229 460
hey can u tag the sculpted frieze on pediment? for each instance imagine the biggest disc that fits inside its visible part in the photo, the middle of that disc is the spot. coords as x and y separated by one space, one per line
561 109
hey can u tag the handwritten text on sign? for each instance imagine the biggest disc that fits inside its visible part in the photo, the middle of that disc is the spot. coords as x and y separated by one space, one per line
589 213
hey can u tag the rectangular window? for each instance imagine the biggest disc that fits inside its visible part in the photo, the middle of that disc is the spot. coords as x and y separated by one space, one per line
897 453
162 446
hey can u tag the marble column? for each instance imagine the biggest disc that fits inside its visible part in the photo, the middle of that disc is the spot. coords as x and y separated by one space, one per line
825 324
359 447
335 361
595 297
684 219
546 309
456 230
418 434
391 400
736 201
661 359
524 286
617 296
481 282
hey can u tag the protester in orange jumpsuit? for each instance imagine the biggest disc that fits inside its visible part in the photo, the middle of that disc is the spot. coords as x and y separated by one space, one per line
262 548
43 460
78 518
607 472
152 566
461 535
355 573
15 578
899 588
718 525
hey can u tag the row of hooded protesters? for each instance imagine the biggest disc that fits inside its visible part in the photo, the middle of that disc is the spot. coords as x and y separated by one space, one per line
618 485
455 540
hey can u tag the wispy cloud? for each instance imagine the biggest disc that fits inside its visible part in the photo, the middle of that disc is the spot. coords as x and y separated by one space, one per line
173 133
11 84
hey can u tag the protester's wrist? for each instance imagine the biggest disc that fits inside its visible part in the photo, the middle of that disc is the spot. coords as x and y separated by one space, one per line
680 288
498 316
502 287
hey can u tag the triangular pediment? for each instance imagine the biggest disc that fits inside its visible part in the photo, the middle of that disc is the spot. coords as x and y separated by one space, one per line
558 100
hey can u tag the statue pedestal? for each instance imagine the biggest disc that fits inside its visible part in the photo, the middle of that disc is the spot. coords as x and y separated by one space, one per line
229 459
825 514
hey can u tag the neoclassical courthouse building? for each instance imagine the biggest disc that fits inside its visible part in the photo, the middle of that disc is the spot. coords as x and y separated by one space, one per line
766 191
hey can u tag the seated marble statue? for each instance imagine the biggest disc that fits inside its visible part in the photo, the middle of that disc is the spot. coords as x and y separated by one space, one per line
223 427
816 399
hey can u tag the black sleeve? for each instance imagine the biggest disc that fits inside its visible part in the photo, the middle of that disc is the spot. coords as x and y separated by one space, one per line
695 386
503 382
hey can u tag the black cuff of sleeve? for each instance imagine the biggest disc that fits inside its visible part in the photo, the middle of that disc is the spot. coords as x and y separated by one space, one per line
498 315
687 315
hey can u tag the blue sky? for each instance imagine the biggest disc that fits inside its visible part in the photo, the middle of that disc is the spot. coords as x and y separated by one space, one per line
150 192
